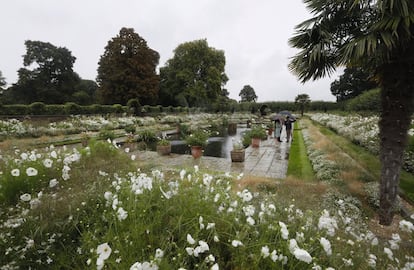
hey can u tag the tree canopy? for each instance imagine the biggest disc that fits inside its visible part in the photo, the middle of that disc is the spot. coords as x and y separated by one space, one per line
302 100
353 82
194 77
376 35
2 80
127 70
47 75
247 94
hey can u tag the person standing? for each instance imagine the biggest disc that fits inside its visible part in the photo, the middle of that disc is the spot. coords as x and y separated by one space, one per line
278 129
288 126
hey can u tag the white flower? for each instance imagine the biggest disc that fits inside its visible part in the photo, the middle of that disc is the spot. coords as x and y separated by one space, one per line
122 214
34 203
31 171
246 195
53 183
190 239
127 150
215 267
108 195
302 255
372 260
48 163
103 251
328 223
210 226
274 256
236 243
15 172
406 226
189 250
326 246
250 221
284 230
133 157
159 253
389 253
265 252
25 197
182 174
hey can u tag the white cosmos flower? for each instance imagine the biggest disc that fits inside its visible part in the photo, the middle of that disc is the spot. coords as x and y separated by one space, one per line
389 253
215 267
53 154
236 243
159 253
326 246
25 197
15 172
103 251
284 230
53 183
190 239
302 255
31 171
265 251
48 163
250 221
122 214
133 157
406 226
24 156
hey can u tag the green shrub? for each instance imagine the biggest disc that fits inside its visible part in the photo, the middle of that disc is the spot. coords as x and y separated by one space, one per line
37 108
106 134
367 101
134 106
147 136
72 108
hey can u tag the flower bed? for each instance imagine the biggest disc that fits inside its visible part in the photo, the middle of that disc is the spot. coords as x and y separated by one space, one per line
95 208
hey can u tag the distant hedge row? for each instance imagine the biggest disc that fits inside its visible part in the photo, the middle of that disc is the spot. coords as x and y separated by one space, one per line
133 107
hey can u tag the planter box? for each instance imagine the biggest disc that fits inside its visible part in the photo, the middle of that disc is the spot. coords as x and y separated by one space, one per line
256 142
163 150
237 155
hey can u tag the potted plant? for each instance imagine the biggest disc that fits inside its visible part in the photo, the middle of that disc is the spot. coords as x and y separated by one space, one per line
85 137
163 147
238 152
257 134
197 140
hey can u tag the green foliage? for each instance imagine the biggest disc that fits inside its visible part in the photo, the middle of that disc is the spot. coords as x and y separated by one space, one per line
353 82
51 81
258 132
73 108
367 101
302 101
134 106
127 70
37 108
106 134
194 76
247 94
130 129
147 136
198 137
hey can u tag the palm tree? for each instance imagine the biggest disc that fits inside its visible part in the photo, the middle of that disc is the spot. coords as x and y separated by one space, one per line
302 101
376 35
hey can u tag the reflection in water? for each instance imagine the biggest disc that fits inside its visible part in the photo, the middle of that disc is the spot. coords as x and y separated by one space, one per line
216 147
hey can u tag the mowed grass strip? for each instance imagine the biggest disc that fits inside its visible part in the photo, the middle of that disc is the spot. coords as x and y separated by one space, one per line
299 165
368 161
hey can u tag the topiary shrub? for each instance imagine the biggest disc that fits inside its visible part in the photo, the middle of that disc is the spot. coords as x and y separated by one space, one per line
134 106
72 108
37 108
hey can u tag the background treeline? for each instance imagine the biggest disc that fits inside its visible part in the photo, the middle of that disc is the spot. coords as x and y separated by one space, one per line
40 108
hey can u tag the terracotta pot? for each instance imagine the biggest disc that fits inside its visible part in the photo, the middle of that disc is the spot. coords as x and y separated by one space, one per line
196 151
237 155
163 150
256 142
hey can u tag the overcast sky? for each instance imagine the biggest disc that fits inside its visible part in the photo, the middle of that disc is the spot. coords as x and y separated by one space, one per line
253 35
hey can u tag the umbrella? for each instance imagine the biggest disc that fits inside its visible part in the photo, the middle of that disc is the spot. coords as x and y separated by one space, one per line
287 113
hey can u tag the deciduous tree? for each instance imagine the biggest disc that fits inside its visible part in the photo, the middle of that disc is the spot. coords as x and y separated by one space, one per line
194 77
353 82
47 75
247 94
377 35
127 70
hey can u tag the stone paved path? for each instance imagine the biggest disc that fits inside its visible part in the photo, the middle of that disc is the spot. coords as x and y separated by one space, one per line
268 160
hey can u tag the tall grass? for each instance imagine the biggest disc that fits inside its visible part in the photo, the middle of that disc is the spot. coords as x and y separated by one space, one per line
109 214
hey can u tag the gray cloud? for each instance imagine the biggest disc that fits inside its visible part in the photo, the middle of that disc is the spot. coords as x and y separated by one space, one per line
253 36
